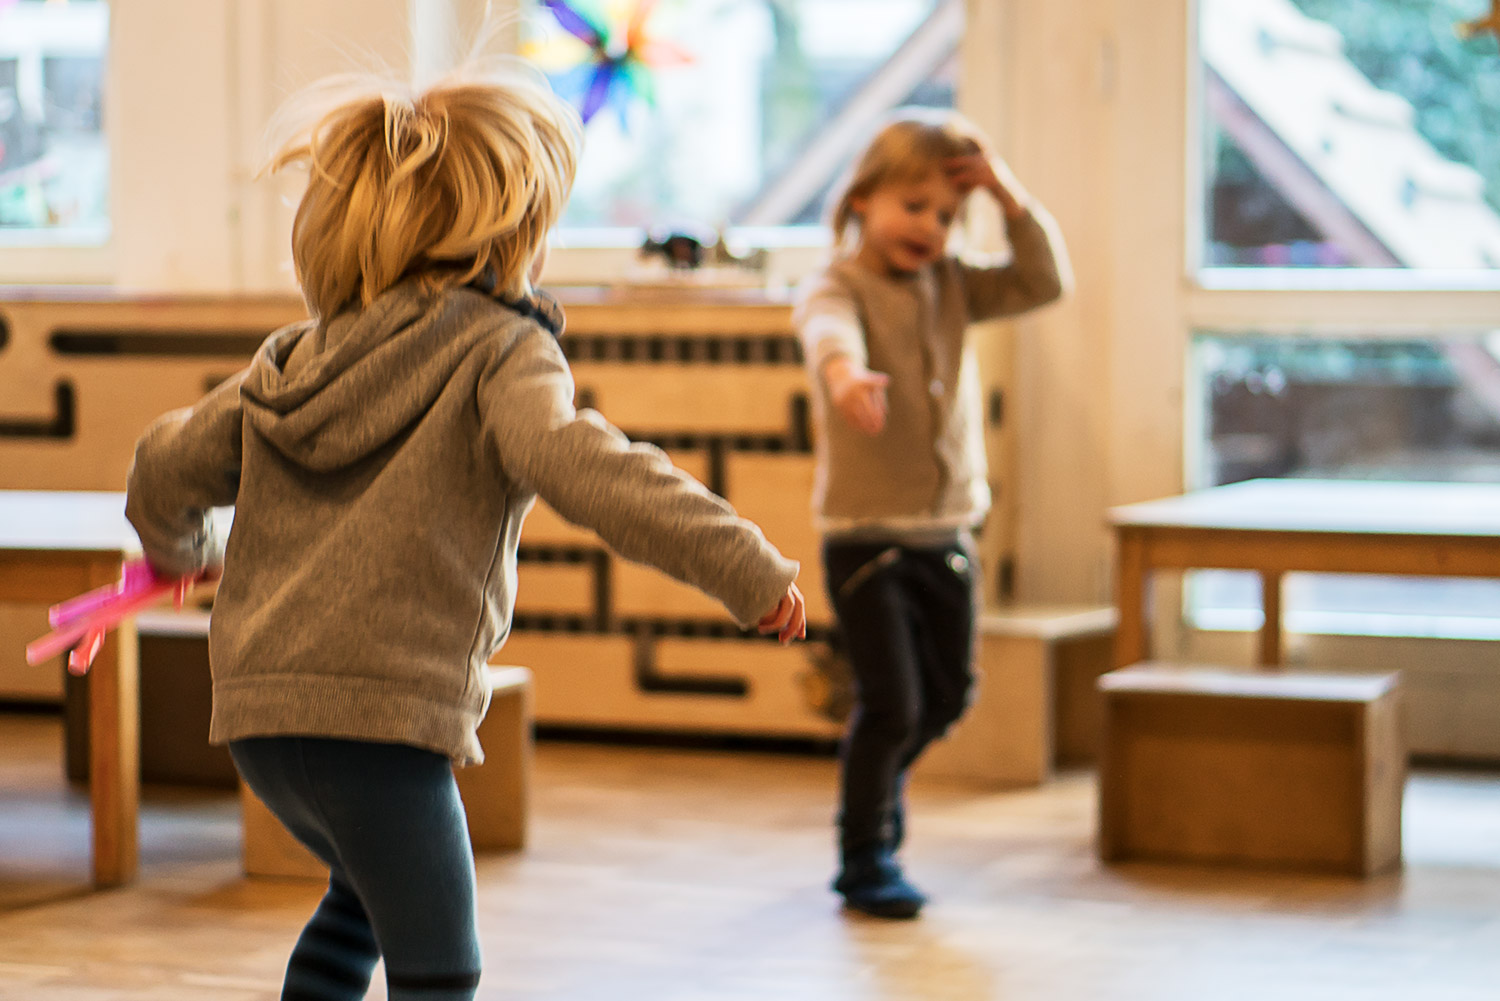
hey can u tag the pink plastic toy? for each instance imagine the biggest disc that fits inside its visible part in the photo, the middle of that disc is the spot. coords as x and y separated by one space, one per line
81 622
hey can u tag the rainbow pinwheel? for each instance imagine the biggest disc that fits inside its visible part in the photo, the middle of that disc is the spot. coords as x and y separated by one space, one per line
614 71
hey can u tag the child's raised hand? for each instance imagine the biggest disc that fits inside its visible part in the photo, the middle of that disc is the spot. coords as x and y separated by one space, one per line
788 620
858 394
984 170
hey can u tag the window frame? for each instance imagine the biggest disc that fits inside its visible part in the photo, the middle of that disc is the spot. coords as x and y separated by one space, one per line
1290 302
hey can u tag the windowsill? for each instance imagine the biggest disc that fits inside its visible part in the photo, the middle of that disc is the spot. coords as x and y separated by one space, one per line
79 237
1381 624
631 238
1345 280
611 257
629 293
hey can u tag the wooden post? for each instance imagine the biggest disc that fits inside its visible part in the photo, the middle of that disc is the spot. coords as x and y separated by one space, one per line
1131 645
114 746
1269 652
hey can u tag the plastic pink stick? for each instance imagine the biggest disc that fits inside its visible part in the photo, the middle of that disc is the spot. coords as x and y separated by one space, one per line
74 608
135 576
81 622
82 655
105 617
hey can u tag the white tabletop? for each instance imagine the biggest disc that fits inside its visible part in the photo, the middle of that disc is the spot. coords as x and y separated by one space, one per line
1343 506
1189 679
65 520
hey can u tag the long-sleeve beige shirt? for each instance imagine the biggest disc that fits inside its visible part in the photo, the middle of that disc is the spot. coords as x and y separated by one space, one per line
925 471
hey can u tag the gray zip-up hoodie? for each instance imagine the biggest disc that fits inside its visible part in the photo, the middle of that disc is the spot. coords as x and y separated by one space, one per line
380 465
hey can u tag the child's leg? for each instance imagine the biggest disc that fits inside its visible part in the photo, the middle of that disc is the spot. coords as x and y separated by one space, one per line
391 818
945 607
336 953
945 601
874 622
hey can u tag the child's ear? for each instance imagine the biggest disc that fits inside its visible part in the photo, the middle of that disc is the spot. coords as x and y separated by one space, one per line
858 204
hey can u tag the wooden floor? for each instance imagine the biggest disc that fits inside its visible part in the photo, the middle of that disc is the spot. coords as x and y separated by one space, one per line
674 875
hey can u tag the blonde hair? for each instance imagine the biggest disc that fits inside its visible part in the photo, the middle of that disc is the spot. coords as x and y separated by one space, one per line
908 146
459 180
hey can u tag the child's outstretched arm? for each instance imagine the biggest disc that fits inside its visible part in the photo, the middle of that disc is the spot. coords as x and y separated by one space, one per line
788 620
1038 272
187 462
858 393
834 345
642 506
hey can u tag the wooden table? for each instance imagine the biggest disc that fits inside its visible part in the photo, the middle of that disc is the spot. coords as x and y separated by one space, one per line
54 545
1318 526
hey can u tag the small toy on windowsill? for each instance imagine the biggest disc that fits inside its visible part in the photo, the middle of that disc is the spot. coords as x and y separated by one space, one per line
681 249
687 256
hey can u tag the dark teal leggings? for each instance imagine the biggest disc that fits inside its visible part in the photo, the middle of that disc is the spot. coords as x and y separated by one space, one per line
387 820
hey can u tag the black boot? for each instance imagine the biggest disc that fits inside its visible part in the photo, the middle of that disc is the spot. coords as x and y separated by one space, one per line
872 882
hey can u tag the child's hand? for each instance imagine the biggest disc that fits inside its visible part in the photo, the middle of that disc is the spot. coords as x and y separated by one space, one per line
788 619
983 170
858 394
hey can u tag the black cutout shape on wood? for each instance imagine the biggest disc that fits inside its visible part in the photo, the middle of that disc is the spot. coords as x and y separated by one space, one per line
60 425
649 679
748 349
155 344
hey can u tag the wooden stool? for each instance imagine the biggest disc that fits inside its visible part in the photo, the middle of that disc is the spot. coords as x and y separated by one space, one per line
1209 765
496 794
176 703
1027 676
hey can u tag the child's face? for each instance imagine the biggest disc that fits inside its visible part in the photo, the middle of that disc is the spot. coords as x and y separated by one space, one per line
904 224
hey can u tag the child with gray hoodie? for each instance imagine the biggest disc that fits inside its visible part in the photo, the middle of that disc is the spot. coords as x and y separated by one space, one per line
381 457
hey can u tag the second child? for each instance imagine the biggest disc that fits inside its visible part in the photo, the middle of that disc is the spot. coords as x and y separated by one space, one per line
901 481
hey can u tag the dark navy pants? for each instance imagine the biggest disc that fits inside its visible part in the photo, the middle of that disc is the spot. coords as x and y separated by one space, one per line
387 820
907 619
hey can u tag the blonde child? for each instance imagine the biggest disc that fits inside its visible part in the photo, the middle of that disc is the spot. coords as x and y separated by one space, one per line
901 474
381 457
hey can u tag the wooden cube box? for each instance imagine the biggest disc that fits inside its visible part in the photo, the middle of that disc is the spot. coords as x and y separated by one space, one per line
496 794
1025 707
1293 770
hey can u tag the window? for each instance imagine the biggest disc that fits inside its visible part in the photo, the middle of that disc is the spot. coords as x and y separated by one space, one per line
1352 142
1372 408
745 111
1349 134
54 161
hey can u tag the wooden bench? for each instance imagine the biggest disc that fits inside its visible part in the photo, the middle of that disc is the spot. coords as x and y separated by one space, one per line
1295 770
175 705
1034 701
176 700
496 794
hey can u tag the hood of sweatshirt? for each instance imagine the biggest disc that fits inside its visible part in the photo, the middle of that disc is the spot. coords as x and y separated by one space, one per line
328 394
